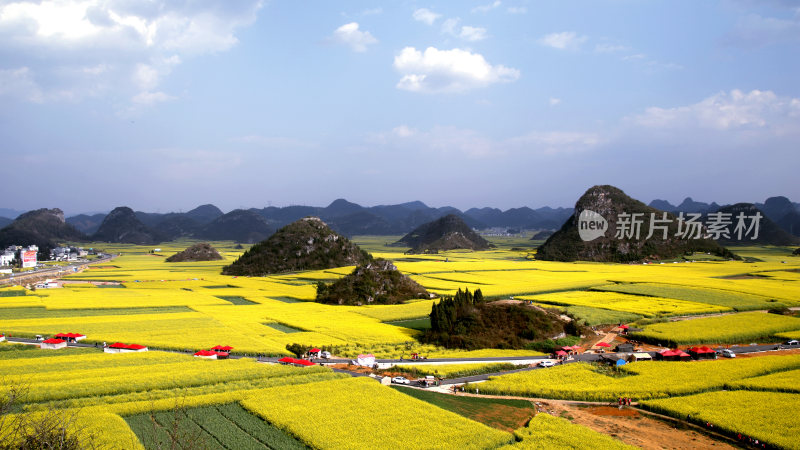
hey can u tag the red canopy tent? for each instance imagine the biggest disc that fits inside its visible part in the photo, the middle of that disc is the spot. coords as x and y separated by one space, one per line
567 349
703 352
603 344
577 347
225 348
53 341
206 354
561 353
673 355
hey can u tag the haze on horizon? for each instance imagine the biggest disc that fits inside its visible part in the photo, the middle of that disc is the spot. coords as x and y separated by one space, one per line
163 106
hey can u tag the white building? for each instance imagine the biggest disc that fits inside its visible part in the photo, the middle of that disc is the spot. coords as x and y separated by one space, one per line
6 258
53 344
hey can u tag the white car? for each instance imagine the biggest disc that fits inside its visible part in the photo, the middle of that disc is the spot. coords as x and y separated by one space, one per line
727 353
401 380
547 363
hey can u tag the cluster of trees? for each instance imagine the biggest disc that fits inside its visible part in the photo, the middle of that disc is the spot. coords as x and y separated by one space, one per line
454 315
467 321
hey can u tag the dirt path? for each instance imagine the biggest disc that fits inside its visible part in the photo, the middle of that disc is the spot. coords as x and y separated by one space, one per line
632 427
628 424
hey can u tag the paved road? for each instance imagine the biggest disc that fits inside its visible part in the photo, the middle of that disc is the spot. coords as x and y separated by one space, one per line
18 277
586 357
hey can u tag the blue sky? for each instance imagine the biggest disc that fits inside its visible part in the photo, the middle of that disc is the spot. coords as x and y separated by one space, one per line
166 105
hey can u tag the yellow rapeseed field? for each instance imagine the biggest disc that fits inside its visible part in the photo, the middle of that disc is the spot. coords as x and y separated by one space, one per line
375 416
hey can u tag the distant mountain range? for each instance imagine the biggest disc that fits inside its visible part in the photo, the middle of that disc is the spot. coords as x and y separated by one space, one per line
347 218
208 222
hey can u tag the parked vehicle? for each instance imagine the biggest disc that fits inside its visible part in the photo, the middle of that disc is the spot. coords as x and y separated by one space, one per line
728 353
401 380
325 355
792 343
546 363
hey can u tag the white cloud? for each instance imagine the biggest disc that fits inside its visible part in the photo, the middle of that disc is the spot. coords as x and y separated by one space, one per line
147 98
449 26
555 101
566 40
610 48
727 111
123 45
350 35
425 16
486 8
434 70
517 10
403 131
472 33
466 32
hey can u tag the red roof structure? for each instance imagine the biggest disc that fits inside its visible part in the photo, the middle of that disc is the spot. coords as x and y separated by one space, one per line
295 361
205 353
603 344
314 350
53 341
624 327
702 349
69 335
120 345
225 348
561 353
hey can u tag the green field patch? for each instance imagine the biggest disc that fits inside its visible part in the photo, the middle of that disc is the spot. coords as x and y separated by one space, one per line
221 426
422 323
283 328
287 299
503 414
598 316
736 300
25 351
236 300
40 312
12 293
